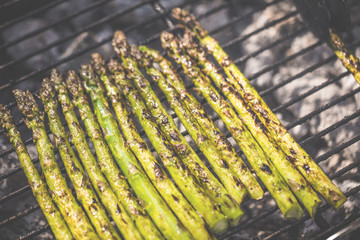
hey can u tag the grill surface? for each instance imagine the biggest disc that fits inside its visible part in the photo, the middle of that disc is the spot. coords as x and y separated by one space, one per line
288 65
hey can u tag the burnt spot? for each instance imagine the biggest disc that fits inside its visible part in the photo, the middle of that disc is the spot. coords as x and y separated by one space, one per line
155 78
175 198
74 168
290 158
175 136
226 62
201 138
142 83
237 181
101 186
213 97
158 171
118 210
181 149
227 113
164 120
334 196
265 168
141 144
224 164
146 114
93 208
290 200
307 168
292 151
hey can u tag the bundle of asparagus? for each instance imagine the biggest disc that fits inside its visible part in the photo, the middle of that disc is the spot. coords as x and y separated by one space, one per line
37 184
71 211
269 122
178 197
174 198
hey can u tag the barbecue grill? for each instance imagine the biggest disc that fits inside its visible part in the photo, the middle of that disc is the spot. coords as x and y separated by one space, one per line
297 75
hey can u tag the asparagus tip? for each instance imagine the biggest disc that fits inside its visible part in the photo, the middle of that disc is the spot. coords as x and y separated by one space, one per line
189 20
6 119
56 78
98 63
26 103
165 38
47 92
88 75
114 66
73 83
120 43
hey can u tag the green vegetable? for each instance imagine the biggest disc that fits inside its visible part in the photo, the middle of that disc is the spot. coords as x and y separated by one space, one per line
299 158
99 182
288 205
299 186
210 183
348 59
72 212
211 130
179 172
156 207
53 216
83 188
107 164
173 197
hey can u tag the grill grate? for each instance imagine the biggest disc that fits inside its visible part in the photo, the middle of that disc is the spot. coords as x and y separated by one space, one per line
18 73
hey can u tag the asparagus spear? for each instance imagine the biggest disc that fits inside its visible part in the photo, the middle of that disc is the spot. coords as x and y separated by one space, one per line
300 159
300 187
348 59
210 183
37 184
288 205
209 128
174 198
107 164
84 191
99 182
153 203
72 212
177 169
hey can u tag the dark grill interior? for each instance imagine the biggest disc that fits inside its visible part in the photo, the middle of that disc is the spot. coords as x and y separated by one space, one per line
298 76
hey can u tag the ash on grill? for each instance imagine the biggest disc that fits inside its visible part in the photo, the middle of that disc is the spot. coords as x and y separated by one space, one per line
289 27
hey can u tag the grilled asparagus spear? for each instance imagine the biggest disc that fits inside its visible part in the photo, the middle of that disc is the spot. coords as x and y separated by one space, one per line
212 186
210 128
37 184
72 212
288 205
84 191
348 59
174 198
153 203
180 172
300 187
99 182
107 164
300 159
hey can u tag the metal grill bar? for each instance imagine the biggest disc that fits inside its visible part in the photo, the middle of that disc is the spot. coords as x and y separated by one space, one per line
32 13
310 92
49 26
322 108
163 14
281 62
266 26
304 72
